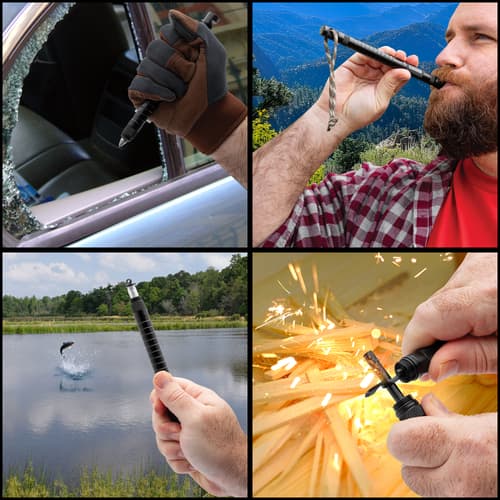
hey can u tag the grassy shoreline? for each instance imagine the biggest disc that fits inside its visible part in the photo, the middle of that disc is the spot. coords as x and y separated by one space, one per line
114 324
94 483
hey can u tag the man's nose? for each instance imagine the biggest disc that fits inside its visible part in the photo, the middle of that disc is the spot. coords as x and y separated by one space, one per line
451 55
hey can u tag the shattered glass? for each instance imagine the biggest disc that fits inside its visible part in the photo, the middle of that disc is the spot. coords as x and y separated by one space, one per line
131 17
17 217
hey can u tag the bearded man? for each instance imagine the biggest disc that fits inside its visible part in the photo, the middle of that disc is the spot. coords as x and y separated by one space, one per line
451 202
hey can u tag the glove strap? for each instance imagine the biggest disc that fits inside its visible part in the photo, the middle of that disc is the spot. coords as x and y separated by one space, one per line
217 123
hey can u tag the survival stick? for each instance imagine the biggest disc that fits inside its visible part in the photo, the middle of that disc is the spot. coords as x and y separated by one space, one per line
147 333
380 56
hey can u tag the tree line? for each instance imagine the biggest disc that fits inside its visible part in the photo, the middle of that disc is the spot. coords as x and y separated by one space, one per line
205 293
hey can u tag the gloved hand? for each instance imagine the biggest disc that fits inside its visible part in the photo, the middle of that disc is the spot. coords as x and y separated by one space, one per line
186 70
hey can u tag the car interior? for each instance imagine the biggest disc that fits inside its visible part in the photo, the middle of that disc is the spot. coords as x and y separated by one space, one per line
73 107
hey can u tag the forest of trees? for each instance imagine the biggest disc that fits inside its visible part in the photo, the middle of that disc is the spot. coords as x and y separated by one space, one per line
205 293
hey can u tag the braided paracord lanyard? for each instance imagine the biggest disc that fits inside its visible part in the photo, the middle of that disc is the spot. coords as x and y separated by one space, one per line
332 119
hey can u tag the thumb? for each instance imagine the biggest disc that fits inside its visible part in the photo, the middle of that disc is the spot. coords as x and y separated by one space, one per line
173 396
185 26
433 407
391 82
466 355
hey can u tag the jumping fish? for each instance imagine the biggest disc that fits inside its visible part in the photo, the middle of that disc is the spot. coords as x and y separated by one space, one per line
65 346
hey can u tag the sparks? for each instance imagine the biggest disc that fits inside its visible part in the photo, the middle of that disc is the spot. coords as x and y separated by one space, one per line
376 333
336 462
379 258
326 399
278 312
283 286
420 272
292 271
286 363
448 256
357 423
301 279
295 382
315 277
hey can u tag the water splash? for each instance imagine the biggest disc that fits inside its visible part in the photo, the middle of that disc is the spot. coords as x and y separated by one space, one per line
72 366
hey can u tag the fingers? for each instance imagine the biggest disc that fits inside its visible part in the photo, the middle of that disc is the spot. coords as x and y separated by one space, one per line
466 355
184 25
420 441
467 304
172 451
393 78
433 407
159 80
174 396
162 424
358 58
451 314
170 60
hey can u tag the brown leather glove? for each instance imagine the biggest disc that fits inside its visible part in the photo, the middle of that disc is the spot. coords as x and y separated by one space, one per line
186 69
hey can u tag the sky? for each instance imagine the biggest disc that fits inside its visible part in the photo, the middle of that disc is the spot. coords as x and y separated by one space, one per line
52 274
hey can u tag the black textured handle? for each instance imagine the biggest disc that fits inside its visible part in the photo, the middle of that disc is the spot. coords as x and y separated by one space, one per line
150 341
408 408
149 336
374 53
417 363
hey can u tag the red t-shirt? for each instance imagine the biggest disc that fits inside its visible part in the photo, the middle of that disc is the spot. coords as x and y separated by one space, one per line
468 216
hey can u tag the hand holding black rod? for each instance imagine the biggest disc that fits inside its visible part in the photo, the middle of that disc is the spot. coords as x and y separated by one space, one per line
147 333
147 108
380 56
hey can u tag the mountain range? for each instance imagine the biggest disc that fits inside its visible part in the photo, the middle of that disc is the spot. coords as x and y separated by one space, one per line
286 35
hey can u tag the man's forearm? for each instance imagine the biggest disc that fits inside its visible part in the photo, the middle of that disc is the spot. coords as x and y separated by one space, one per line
232 154
282 167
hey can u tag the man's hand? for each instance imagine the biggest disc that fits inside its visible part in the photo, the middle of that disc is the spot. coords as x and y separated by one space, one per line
208 444
463 312
364 88
186 70
445 454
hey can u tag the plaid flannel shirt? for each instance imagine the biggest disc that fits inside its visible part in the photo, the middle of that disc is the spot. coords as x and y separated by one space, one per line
393 206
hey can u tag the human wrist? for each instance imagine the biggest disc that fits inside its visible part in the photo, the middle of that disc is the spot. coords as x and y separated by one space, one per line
217 123
339 131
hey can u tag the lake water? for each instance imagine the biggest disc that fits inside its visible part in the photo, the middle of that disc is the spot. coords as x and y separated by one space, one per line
91 408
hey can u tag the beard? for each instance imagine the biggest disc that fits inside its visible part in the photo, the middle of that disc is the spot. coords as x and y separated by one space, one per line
463 119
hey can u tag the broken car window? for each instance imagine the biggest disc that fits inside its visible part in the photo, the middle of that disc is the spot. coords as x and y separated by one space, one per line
18 218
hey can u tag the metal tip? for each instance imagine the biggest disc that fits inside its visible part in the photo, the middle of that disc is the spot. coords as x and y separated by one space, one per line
122 142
